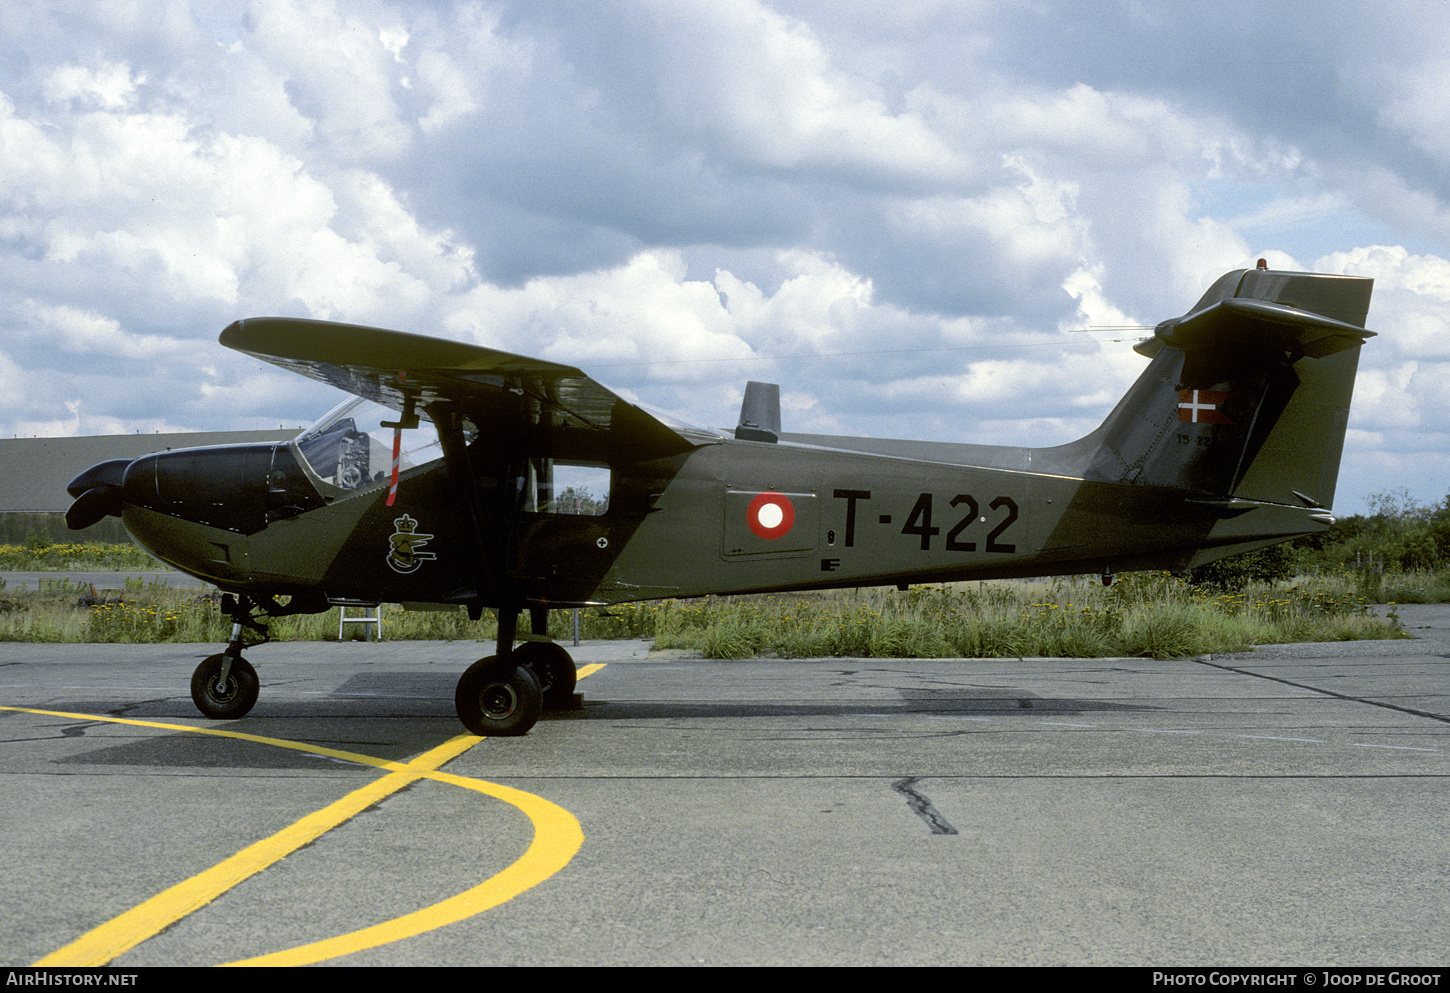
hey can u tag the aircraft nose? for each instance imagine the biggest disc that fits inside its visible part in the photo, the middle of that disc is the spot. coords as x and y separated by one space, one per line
223 487
97 493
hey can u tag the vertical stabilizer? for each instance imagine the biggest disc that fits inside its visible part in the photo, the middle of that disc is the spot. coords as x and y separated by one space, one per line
1247 395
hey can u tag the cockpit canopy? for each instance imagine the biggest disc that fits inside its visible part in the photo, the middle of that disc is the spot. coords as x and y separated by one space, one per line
348 448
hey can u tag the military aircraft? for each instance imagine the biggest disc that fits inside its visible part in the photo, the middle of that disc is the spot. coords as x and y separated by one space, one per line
463 475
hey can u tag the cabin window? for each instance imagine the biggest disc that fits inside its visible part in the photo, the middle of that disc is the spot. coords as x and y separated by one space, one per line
567 488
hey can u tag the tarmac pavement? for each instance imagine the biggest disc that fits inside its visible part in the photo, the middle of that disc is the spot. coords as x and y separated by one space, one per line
1285 807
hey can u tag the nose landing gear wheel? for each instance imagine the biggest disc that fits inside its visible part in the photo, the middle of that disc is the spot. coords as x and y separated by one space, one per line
498 697
226 697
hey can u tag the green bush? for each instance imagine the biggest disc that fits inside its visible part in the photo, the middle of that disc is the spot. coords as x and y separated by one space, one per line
1273 564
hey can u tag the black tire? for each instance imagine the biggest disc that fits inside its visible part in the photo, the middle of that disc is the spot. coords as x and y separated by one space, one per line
498 698
553 667
230 701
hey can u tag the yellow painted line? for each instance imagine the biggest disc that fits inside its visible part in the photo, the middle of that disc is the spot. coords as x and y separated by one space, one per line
557 838
120 934
296 746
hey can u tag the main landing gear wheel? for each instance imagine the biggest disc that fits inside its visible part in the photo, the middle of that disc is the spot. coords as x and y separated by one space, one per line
498 697
224 697
553 668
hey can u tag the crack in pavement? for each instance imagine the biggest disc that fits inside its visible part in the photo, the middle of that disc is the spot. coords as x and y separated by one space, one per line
922 807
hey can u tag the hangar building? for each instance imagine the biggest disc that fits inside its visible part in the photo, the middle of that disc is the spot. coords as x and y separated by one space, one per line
33 500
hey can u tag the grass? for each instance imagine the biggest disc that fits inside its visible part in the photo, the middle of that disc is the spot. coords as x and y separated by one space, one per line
1415 586
39 555
1140 615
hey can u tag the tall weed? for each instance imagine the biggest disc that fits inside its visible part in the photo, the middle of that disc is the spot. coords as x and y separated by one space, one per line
1139 615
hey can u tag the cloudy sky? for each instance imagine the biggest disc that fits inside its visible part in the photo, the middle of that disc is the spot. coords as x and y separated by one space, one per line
903 212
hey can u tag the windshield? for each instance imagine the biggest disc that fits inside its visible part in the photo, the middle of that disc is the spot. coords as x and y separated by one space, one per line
350 449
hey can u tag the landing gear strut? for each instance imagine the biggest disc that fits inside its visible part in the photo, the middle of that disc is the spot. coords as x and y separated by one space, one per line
504 694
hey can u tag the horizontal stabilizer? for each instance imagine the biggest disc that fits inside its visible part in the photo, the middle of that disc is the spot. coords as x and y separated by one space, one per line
1260 323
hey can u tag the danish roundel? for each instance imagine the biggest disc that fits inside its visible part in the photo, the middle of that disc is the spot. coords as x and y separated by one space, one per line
770 515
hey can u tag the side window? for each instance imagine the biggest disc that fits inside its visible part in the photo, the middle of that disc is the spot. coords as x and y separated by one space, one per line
567 488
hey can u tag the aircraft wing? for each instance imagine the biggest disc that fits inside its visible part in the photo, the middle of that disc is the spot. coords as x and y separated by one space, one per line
498 391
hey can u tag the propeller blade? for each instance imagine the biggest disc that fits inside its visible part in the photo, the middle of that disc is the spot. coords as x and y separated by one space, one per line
92 505
112 473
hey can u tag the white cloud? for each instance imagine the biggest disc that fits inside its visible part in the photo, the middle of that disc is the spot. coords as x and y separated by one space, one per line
819 307
1382 399
450 88
15 384
1410 307
919 205
339 69
79 332
108 86
644 313
992 381
224 218
762 88
1419 110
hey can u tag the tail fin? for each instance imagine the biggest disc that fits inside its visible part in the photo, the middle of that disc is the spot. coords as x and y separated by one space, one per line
1247 395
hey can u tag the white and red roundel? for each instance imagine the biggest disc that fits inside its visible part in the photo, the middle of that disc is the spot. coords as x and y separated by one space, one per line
770 515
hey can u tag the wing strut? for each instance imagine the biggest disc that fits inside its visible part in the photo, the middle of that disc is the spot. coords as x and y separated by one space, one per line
460 469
